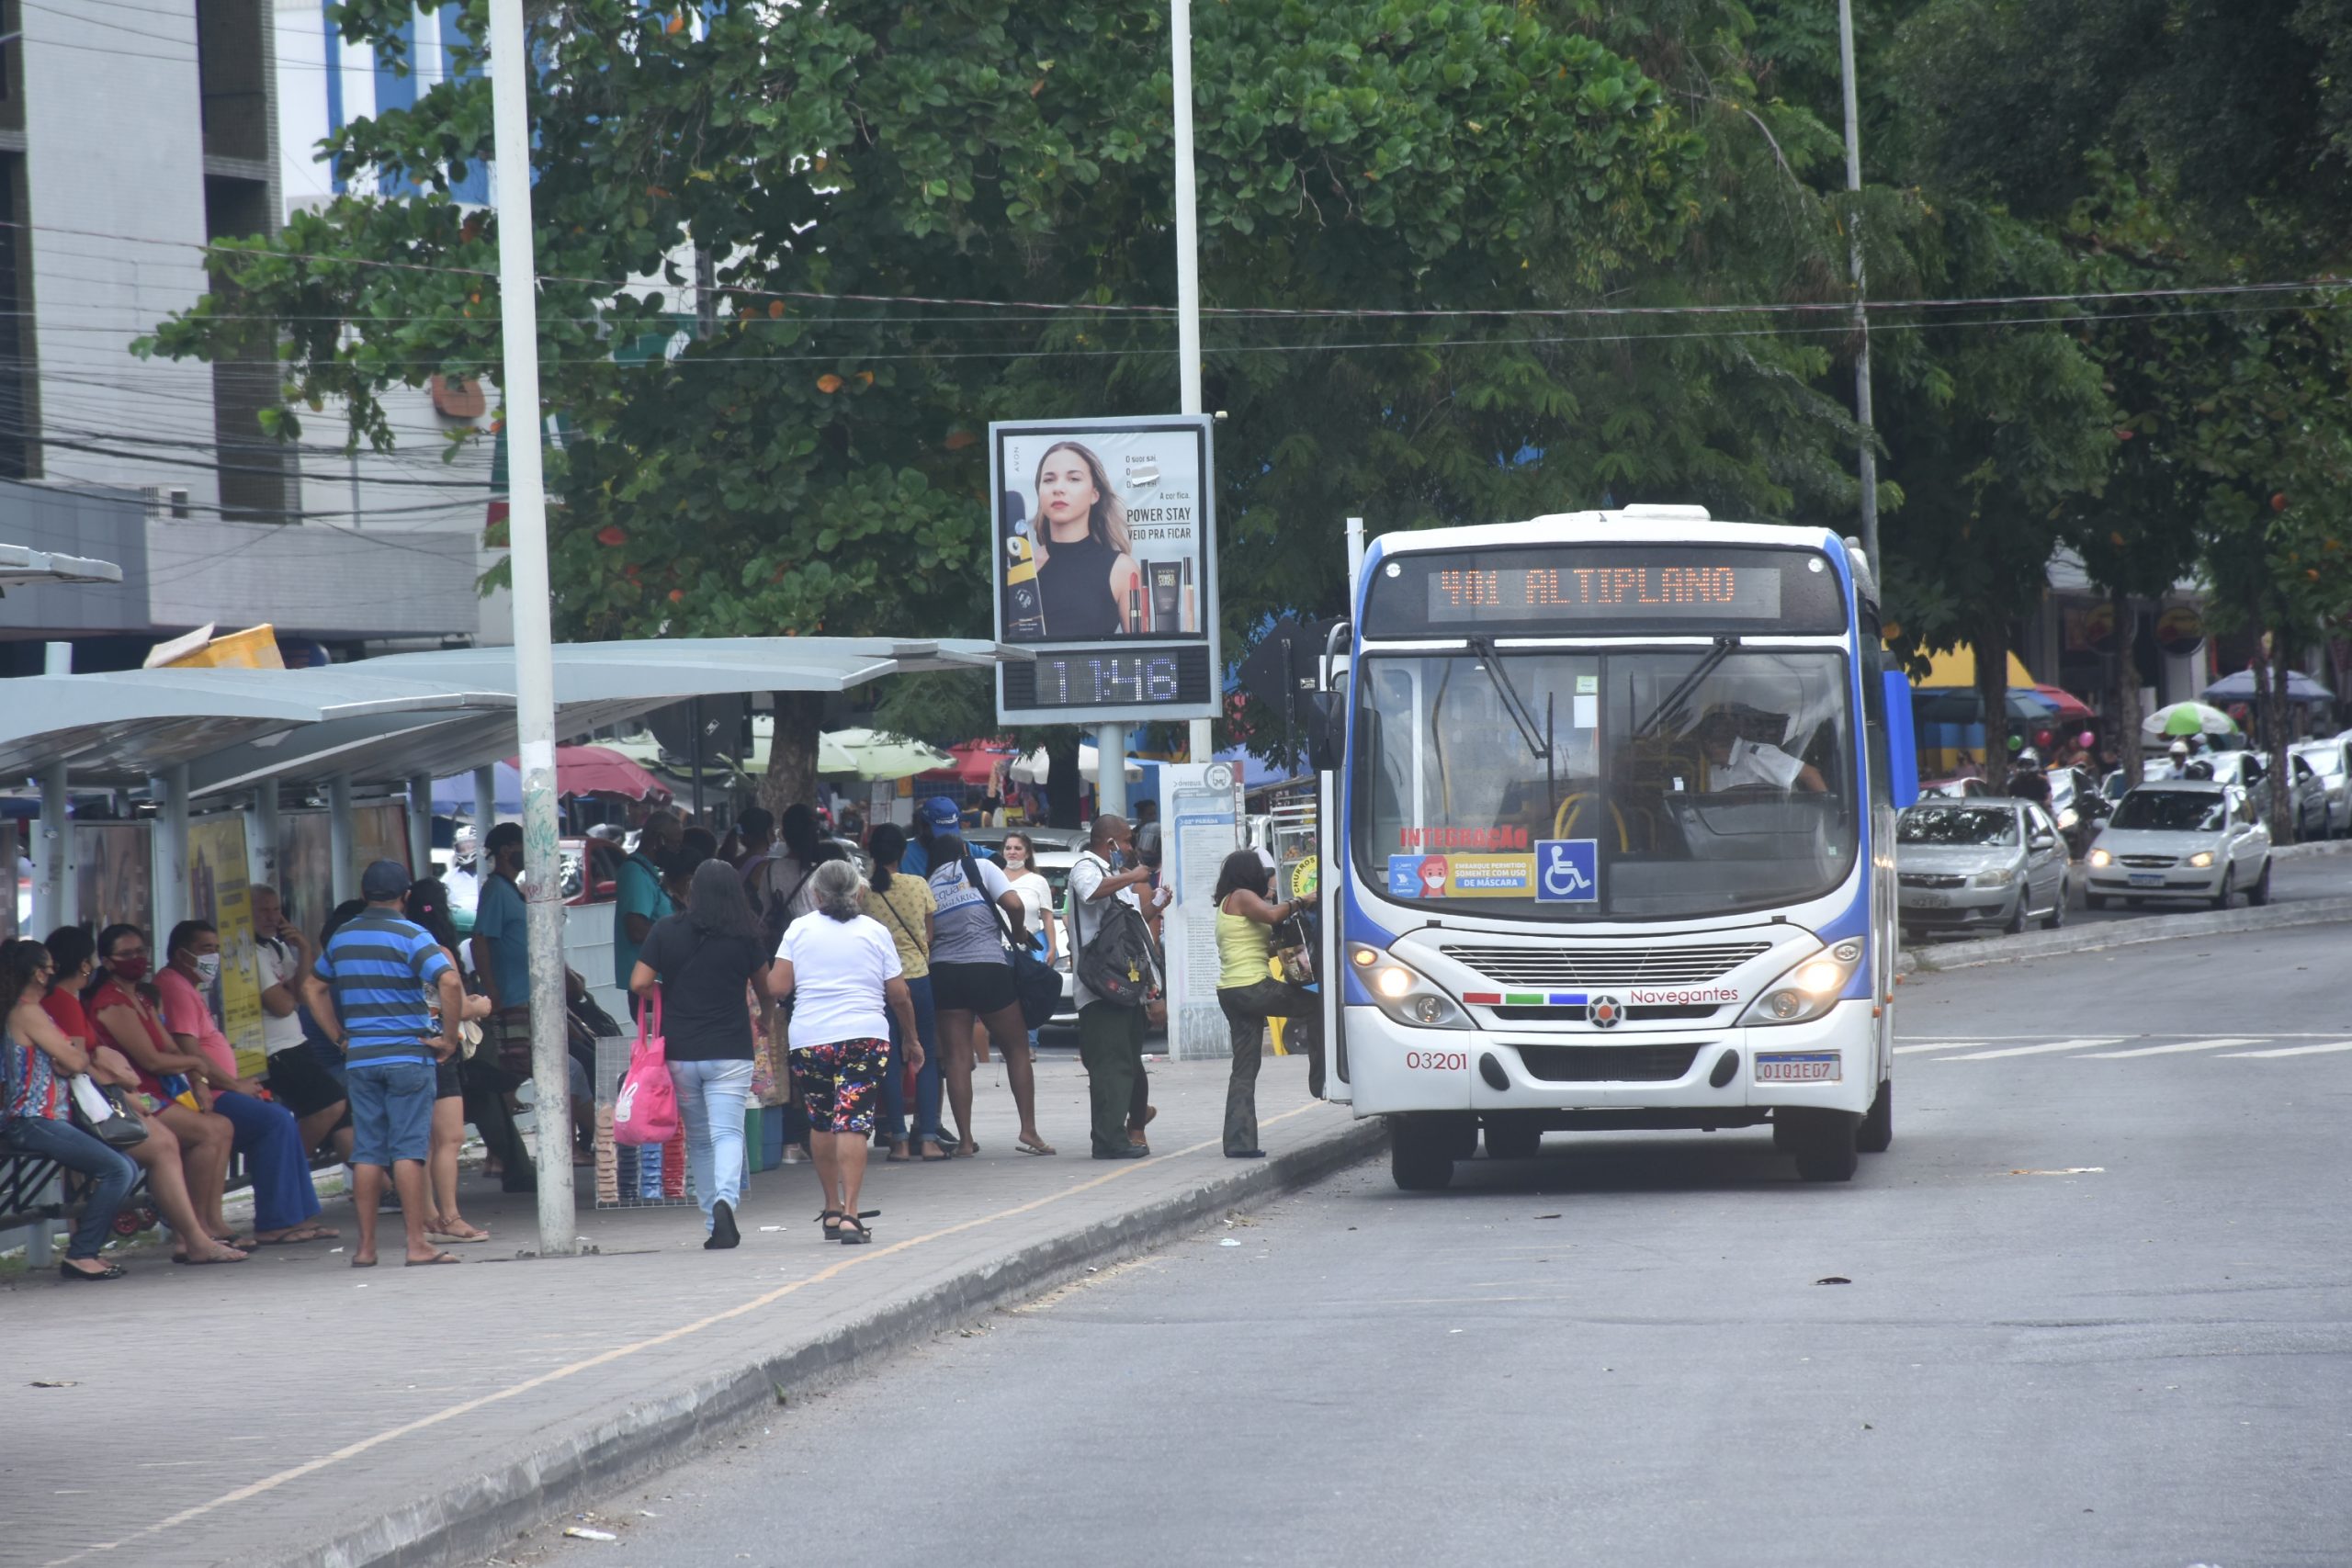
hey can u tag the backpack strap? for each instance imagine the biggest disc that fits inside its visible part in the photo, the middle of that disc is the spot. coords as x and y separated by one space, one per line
1003 926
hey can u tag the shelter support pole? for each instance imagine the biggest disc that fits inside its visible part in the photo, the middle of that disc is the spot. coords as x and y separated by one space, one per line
170 854
261 845
1188 279
420 824
343 877
57 890
534 654
1111 770
485 798
1867 457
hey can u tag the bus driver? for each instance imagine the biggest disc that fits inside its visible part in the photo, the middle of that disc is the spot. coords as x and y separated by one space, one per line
1737 763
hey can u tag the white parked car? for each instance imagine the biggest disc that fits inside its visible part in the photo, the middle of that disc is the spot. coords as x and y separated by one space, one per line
2331 760
2188 839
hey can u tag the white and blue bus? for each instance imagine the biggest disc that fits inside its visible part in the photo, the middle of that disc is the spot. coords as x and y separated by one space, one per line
1610 837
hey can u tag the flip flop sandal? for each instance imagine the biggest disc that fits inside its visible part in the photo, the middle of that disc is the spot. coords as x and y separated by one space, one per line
445 1238
299 1236
436 1257
1026 1147
363 1263
202 1262
242 1243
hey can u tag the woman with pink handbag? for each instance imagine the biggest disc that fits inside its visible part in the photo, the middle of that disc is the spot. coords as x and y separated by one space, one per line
697 1063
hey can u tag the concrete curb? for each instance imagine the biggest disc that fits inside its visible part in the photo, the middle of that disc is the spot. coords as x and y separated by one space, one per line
2123 934
474 1519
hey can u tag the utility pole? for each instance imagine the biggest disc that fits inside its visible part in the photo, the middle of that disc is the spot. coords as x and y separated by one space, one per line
510 84
1188 278
1869 465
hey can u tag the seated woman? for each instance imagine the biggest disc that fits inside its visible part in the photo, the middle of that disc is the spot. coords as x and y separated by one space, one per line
35 1118
74 955
285 1202
123 1008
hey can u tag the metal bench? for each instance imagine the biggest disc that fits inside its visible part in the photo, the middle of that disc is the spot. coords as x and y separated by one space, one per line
36 1192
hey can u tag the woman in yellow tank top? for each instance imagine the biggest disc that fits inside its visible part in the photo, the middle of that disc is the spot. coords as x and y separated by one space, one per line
1248 994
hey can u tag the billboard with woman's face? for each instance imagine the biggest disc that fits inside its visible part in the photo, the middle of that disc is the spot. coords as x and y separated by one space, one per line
1106 557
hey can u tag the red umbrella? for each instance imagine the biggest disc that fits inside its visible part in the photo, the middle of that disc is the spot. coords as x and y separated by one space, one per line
2071 708
599 770
976 760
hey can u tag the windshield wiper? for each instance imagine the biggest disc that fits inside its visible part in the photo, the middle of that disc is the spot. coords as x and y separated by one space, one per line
1705 667
1485 648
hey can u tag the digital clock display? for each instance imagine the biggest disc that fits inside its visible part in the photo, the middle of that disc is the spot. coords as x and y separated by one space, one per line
1573 590
1142 679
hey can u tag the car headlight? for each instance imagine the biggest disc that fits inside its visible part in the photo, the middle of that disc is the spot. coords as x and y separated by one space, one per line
1809 990
2201 859
2100 857
1403 992
1999 876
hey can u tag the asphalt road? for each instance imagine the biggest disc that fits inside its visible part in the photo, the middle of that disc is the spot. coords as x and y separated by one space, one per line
2294 878
2090 1309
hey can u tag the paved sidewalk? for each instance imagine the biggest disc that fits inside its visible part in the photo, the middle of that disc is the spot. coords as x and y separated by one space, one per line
290 1409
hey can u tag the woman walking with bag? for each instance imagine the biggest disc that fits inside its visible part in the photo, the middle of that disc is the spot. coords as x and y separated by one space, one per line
698 962
971 981
843 968
1247 993
904 906
36 1117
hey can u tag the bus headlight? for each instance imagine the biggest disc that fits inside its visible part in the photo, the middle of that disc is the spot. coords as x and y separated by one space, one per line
1808 990
1403 992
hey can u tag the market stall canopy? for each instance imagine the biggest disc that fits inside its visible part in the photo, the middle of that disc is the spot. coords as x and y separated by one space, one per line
975 762
1037 766
599 770
2186 718
872 756
1957 667
2239 688
2071 708
1966 705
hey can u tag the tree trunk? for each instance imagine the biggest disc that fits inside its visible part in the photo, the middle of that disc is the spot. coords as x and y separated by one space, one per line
792 752
2128 717
1993 688
2276 740
1062 782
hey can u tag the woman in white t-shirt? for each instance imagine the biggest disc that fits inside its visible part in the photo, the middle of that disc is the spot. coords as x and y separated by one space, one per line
842 970
971 983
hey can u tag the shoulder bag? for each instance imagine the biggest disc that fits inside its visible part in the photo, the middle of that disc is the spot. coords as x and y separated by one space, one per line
646 1109
99 1111
1034 981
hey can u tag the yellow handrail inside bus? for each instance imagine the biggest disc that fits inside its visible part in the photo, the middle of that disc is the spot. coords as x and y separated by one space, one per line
1573 807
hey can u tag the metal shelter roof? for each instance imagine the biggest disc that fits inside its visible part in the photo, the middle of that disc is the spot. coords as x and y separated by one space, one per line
389 719
20 565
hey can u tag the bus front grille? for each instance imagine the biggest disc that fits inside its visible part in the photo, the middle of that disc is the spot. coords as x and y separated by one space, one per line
1605 967
1608 1064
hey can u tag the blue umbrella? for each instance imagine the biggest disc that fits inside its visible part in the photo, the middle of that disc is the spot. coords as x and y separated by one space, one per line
2239 688
454 797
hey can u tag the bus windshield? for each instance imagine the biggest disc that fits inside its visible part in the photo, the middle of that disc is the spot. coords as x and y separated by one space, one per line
1633 785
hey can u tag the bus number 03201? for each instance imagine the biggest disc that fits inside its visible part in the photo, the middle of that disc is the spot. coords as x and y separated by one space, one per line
1438 1061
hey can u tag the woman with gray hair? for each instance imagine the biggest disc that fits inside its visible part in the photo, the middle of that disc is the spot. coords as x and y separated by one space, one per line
842 969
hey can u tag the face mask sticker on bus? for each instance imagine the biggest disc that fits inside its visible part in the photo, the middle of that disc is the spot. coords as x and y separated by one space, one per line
1567 871
1460 877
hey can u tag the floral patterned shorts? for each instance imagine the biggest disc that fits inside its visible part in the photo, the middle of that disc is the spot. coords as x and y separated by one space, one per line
839 1083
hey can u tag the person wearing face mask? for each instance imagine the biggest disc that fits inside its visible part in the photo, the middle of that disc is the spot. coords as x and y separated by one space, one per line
285 1202
1110 1037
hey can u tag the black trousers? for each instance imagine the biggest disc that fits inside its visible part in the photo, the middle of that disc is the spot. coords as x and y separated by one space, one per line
1246 1009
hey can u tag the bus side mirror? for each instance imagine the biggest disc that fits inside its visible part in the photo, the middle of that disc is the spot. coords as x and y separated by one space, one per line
1327 729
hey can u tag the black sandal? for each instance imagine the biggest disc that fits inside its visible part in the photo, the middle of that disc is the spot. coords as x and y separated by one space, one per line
111 1271
853 1228
831 1220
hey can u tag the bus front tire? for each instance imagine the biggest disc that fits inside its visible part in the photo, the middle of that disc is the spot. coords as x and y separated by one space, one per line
1823 1141
1422 1148
1877 1131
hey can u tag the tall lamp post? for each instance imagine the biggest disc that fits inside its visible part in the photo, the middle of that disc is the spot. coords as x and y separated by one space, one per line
509 81
1869 464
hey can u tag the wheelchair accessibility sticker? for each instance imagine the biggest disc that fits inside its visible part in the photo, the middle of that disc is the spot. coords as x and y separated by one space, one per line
1567 871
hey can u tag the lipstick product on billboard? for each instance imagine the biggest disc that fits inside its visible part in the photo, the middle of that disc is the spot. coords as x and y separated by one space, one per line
1025 608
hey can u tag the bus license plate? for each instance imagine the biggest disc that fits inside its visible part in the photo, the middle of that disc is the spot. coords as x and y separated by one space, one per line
2147 879
1797 1067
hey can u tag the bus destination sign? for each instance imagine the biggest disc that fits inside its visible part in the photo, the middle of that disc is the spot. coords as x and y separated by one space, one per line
1604 590
1473 593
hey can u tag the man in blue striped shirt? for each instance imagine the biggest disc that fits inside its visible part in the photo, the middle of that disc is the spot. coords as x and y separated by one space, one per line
371 979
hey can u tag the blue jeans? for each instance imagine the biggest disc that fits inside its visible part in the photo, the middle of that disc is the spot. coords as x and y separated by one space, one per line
271 1142
926 1126
710 1101
111 1173
391 1112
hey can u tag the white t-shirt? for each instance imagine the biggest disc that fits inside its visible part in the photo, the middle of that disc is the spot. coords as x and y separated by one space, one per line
1036 896
966 928
839 968
1085 911
1752 763
279 968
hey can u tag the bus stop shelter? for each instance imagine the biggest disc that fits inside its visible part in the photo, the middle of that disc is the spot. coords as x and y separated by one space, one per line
186 736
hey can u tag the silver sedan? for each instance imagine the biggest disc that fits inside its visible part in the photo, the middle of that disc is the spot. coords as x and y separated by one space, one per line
2189 839
1986 863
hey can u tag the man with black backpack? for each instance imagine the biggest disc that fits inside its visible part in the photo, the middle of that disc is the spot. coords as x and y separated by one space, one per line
1112 966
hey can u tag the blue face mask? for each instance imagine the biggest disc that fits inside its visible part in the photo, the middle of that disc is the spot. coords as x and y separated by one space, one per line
1118 858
